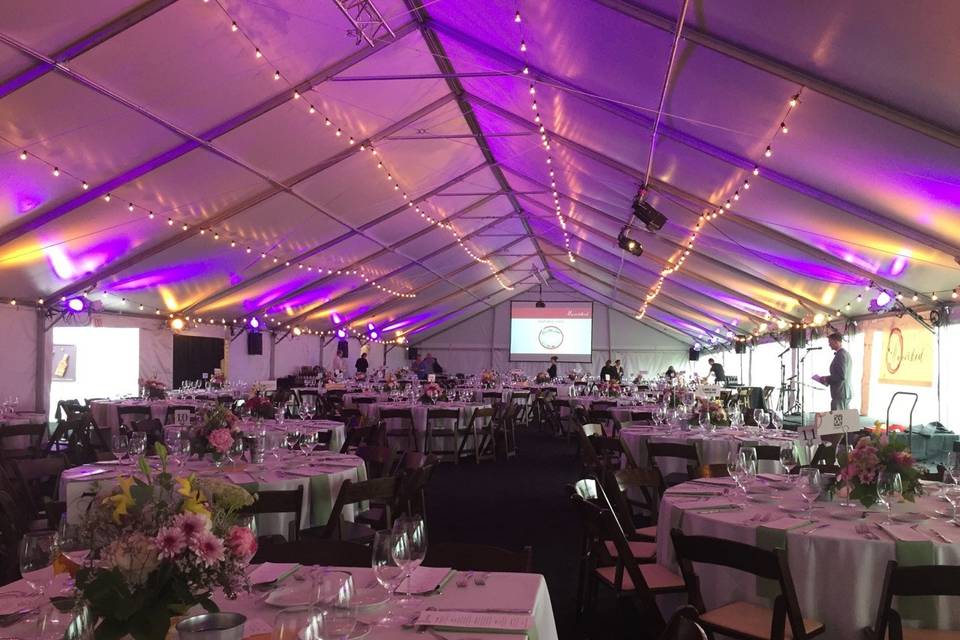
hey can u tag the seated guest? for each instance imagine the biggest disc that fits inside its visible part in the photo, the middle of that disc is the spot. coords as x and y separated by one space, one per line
552 369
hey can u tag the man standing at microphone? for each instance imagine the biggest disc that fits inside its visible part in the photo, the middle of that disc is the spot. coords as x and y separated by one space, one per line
840 373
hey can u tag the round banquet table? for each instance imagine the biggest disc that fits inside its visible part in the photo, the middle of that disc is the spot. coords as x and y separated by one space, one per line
372 413
320 474
106 416
502 591
711 447
837 571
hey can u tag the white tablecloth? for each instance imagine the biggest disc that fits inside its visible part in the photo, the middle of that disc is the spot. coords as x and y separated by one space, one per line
502 590
320 475
302 426
713 447
837 573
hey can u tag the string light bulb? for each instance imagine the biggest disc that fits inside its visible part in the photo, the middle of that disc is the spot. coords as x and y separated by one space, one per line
794 100
258 54
56 172
523 47
783 127
768 152
23 155
516 18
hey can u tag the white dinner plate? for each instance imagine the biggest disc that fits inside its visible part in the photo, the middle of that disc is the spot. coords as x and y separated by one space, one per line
292 596
909 517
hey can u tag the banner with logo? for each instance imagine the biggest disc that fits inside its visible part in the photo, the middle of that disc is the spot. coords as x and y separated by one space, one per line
907 356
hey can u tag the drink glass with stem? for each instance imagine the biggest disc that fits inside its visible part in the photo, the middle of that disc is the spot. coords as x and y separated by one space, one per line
809 487
416 532
788 458
138 444
764 421
889 486
120 444
36 554
391 554
705 424
299 623
735 465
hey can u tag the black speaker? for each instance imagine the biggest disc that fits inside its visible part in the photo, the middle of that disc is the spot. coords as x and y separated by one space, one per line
255 344
740 346
798 337
412 353
343 348
694 354
653 219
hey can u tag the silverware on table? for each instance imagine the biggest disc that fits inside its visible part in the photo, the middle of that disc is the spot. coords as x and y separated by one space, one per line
815 527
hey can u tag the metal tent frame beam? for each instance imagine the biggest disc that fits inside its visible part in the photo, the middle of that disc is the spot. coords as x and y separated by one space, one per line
790 73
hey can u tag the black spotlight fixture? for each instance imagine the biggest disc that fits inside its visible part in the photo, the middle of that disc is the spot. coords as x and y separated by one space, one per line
627 243
650 217
540 303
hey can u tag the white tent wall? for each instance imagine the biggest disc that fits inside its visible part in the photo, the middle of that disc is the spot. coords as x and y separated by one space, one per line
483 341
19 349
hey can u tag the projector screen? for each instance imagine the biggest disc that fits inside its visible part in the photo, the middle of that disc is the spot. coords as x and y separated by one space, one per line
562 329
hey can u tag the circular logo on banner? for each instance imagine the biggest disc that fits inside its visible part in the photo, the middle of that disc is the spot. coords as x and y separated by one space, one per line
550 337
894 355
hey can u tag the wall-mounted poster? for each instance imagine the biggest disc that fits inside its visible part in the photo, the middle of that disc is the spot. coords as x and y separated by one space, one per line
63 368
907 356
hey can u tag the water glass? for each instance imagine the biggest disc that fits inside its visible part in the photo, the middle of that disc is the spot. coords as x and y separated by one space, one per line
756 416
735 465
764 421
705 423
788 457
334 595
889 486
299 623
120 445
810 486
416 532
391 554
36 554
138 444
259 450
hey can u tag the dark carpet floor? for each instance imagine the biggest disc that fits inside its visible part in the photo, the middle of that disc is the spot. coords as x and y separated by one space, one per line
518 502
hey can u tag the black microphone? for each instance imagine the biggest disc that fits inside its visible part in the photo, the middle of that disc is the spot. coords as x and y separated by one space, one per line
814 348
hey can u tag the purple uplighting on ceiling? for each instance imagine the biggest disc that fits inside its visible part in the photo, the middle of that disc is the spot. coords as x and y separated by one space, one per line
898 266
67 266
157 277
26 204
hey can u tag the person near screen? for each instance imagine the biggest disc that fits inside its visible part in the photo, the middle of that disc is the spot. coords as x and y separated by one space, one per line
361 364
552 369
716 369
840 378
619 367
608 372
670 373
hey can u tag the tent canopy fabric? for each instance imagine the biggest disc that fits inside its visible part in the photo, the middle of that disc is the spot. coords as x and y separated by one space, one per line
227 159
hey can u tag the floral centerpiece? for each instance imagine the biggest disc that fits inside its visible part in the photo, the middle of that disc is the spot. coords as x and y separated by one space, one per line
542 378
431 393
161 545
860 467
610 389
217 434
487 378
718 415
153 388
217 379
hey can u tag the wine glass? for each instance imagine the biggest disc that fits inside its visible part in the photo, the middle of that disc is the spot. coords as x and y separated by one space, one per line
736 419
788 458
756 416
299 623
810 486
121 447
36 557
416 532
334 594
138 444
764 421
889 485
735 465
776 420
390 554
705 424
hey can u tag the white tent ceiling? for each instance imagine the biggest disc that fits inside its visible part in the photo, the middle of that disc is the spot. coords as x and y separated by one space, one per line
232 172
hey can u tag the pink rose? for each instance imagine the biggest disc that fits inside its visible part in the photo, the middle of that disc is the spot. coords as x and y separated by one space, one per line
242 543
208 547
221 440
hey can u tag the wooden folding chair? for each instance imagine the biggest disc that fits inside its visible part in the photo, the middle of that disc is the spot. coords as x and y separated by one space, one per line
687 452
442 423
405 432
380 490
279 501
741 619
14 436
912 581
480 427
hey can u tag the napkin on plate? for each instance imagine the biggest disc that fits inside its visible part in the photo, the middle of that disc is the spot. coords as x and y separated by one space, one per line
272 572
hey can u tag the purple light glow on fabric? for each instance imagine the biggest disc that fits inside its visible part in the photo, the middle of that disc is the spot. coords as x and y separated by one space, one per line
27 203
67 266
898 266
158 277
308 299
813 270
407 321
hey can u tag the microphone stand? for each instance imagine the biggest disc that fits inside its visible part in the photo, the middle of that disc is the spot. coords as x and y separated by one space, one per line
783 381
803 393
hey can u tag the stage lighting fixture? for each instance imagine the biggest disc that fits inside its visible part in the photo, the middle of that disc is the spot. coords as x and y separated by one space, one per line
540 303
883 299
254 323
370 326
341 334
374 334
629 244
336 318
297 331
177 324
650 217
76 305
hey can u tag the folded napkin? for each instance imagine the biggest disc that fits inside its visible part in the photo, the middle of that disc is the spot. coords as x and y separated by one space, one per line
904 533
719 504
785 524
722 482
300 471
240 477
428 579
693 491
272 572
80 473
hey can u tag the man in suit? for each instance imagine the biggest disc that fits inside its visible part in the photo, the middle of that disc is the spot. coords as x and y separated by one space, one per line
608 372
839 380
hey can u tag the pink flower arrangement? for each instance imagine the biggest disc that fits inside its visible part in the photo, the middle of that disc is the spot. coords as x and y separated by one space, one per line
241 542
221 440
861 466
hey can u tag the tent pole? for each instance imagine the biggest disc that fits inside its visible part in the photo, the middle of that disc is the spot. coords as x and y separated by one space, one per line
40 365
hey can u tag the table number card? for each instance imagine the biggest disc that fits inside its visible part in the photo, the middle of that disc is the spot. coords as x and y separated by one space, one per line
841 421
492 621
